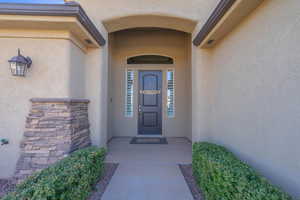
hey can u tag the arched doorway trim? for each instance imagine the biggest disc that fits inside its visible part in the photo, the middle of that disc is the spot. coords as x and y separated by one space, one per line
150 21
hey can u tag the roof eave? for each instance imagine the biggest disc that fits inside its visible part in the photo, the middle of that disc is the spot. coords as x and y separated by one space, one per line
216 16
68 9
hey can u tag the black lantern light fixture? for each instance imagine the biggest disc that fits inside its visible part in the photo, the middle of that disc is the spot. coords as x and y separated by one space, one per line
19 65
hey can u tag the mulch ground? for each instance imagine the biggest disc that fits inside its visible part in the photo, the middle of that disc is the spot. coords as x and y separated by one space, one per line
99 188
7 186
187 172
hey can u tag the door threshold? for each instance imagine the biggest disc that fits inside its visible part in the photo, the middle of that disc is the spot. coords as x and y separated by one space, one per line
149 136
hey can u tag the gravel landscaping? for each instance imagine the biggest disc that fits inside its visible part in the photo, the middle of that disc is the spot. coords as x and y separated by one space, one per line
6 186
187 172
99 188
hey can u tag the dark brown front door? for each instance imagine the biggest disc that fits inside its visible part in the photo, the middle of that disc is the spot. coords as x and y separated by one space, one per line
150 103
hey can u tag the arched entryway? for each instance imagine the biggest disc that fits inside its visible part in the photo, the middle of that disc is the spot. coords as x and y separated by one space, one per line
149 44
150 21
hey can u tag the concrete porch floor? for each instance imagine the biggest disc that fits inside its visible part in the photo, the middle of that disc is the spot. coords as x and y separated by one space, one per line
148 171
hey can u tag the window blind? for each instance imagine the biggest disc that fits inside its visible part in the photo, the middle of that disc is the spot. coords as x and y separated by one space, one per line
129 93
170 93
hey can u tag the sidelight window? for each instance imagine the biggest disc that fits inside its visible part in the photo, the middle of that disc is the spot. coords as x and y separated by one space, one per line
129 93
171 93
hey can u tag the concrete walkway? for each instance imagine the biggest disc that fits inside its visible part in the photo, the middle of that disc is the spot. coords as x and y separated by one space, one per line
148 172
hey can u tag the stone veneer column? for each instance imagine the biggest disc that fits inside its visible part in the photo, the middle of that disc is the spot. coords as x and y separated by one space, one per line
54 129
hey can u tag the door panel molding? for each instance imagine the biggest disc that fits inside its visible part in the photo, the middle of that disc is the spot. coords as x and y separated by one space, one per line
150 102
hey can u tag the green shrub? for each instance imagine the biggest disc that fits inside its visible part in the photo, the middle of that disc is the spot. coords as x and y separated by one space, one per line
222 176
69 179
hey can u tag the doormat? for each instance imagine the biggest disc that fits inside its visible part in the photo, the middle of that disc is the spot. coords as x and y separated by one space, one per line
146 140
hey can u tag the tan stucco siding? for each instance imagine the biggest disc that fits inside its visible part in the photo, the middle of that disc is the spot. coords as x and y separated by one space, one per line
157 42
88 79
190 9
97 62
77 82
60 69
96 90
246 92
47 77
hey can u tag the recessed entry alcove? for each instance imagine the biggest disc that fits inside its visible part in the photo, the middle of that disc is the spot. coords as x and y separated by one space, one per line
149 83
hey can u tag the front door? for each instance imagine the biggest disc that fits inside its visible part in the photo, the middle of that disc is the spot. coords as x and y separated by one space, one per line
150 103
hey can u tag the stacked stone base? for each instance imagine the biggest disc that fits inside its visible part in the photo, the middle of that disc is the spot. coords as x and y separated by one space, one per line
54 129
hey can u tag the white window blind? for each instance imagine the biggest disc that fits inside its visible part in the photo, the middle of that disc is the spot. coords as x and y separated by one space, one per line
171 93
129 93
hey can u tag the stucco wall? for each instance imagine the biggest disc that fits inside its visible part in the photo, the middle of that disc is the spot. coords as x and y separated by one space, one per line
142 42
96 91
246 92
96 75
100 10
88 79
60 69
48 77
97 62
77 77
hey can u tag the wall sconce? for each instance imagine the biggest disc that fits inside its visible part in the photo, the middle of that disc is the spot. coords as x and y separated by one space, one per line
19 64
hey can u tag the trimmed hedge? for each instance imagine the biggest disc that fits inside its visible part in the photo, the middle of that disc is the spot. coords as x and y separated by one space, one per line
222 176
69 179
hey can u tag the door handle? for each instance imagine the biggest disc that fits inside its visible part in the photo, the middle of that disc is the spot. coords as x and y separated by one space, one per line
140 108
151 92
